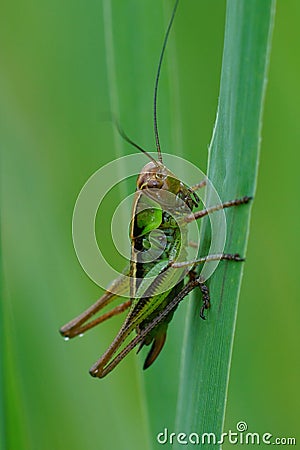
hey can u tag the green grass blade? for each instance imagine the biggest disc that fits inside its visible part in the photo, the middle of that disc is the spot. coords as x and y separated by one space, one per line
233 161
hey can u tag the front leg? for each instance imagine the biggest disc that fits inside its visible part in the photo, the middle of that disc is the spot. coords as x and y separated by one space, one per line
204 212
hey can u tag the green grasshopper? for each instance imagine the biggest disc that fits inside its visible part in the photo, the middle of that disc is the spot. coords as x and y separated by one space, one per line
157 273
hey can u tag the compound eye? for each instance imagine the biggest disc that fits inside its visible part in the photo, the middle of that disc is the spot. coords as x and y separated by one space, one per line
155 184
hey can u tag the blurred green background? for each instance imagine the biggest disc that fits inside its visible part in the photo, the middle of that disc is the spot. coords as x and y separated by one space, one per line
65 64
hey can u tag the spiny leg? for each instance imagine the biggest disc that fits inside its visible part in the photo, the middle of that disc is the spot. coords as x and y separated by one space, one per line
204 291
192 274
198 186
205 299
102 367
192 190
82 323
203 287
211 209
216 257
92 323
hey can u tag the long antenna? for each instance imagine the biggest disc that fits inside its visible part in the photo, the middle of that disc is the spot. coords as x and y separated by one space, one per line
130 141
157 79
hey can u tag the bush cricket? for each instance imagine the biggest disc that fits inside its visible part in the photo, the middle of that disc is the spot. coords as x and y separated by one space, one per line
158 276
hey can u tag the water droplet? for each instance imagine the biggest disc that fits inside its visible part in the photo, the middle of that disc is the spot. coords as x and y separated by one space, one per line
67 338
81 334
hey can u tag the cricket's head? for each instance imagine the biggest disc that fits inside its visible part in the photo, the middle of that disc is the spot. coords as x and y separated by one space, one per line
155 175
